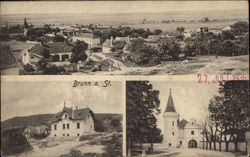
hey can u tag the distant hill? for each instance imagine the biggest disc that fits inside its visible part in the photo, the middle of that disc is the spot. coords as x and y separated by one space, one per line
44 119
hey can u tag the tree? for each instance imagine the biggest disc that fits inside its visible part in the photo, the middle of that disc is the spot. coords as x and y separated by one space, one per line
157 31
180 29
78 52
29 68
231 110
142 104
240 27
226 35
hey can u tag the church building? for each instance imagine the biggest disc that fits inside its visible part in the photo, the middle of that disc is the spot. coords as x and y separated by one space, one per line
179 133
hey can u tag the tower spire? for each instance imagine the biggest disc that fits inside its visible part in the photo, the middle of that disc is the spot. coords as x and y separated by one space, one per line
170 104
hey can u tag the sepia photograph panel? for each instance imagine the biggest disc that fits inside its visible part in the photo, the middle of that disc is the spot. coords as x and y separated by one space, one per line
186 118
124 38
62 119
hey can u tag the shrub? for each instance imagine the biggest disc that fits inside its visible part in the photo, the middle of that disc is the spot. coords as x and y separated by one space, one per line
13 142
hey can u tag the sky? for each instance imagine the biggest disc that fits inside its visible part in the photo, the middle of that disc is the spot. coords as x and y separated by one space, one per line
188 97
30 7
26 98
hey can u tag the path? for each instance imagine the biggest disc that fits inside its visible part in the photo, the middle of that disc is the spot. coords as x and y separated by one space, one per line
198 153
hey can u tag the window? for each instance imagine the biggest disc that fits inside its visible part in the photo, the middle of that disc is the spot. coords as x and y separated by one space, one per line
173 133
67 126
180 143
63 134
55 134
192 132
169 144
172 123
78 125
78 134
65 116
63 126
67 134
32 57
54 127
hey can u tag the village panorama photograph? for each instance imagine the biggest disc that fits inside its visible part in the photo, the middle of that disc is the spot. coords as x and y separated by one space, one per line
55 119
187 119
124 38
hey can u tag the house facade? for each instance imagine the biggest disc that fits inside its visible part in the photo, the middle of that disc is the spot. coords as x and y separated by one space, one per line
87 38
179 133
59 51
72 122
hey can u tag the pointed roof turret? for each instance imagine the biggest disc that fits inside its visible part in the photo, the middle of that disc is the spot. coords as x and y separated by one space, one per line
170 105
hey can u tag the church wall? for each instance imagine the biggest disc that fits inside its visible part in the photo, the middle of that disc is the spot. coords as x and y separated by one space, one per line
170 130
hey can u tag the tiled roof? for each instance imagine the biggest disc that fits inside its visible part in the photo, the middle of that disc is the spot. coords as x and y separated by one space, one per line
7 59
170 105
182 123
55 47
79 114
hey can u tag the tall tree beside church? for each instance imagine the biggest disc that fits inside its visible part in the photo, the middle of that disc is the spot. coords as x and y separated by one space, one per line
231 110
142 104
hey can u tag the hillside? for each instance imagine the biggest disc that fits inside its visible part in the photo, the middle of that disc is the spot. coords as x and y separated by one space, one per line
44 119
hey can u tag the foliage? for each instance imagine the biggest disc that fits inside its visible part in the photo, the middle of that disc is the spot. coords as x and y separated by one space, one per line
29 68
231 110
226 35
240 27
78 52
142 104
13 142
114 146
180 29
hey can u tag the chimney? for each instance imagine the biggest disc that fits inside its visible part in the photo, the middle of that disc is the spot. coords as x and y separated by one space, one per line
111 42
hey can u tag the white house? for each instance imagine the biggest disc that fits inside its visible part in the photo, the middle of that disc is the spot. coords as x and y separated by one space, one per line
179 133
87 38
60 51
227 28
72 122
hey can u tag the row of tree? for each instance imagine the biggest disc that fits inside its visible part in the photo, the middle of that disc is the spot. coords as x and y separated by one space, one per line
227 117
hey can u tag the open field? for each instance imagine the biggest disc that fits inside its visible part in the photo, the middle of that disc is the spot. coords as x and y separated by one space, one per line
195 65
187 19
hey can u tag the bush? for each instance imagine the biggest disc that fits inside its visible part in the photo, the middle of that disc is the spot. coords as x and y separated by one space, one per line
114 147
13 142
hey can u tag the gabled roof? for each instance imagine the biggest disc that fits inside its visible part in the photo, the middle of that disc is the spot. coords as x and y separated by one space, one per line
182 123
170 104
7 58
77 114
107 43
55 47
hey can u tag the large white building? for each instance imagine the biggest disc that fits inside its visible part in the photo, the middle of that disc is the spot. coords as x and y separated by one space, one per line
72 122
87 38
179 133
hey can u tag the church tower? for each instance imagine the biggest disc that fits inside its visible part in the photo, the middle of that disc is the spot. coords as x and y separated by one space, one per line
170 116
